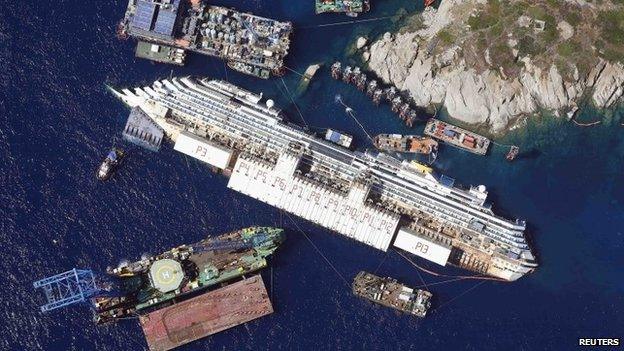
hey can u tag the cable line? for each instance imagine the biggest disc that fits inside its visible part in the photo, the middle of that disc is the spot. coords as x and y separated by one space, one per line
350 22
294 103
292 70
317 249
480 277
350 112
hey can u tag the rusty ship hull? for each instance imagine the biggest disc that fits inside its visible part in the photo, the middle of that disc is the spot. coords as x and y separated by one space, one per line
405 143
207 314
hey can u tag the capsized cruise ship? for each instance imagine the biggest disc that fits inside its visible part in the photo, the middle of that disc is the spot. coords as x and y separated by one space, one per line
372 198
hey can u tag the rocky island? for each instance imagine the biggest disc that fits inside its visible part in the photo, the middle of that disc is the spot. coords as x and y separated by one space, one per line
490 62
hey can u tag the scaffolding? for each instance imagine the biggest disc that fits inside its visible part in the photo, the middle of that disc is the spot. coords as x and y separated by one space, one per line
71 287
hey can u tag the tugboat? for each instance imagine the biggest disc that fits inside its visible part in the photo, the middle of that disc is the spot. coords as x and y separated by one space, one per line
513 152
110 164
336 72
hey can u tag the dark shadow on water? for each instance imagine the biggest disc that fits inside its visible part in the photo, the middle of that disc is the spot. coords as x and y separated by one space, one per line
529 155
531 233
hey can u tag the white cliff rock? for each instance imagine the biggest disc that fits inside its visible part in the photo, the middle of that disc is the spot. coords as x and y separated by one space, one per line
486 97
565 30
361 42
366 56
608 86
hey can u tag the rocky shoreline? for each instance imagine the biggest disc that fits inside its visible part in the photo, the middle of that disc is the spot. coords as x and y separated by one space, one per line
430 76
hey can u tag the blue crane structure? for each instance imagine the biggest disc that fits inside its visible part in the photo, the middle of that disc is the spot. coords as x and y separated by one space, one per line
68 288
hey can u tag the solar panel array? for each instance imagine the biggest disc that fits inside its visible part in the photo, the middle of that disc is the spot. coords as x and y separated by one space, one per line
144 15
166 15
166 18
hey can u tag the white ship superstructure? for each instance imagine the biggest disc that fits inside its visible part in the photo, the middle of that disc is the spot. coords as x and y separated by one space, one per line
367 197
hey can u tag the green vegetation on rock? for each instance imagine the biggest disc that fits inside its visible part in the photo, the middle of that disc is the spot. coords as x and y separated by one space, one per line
568 35
612 34
446 37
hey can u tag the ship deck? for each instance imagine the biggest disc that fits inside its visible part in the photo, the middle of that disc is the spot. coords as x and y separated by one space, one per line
457 136
250 44
390 293
206 314
354 6
160 53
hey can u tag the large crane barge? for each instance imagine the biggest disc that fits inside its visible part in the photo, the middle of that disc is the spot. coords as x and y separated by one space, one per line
157 281
250 44
178 295
372 198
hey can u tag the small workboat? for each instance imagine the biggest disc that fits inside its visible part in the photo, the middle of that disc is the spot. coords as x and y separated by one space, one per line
110 164
513 153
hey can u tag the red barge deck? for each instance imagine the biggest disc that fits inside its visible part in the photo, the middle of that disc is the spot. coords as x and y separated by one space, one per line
206 314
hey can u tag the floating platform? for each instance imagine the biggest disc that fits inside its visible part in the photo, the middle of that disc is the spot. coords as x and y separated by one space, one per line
249 44
339 138
206 314
355 76
405 143
160 53
457 136
307 77
142 131
390 293
350 7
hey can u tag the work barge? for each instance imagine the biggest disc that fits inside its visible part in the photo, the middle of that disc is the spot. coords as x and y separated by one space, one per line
390 293
369 197
166 29
457 137
207 314
350 7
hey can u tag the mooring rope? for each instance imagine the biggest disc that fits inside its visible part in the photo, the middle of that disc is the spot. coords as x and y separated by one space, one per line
317 249
294 103
272 297
458 296
292 70
480 277
381 263
195 199
351 113
440 283
501 145
350 22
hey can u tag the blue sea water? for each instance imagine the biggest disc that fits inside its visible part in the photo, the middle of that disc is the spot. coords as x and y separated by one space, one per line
57 121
